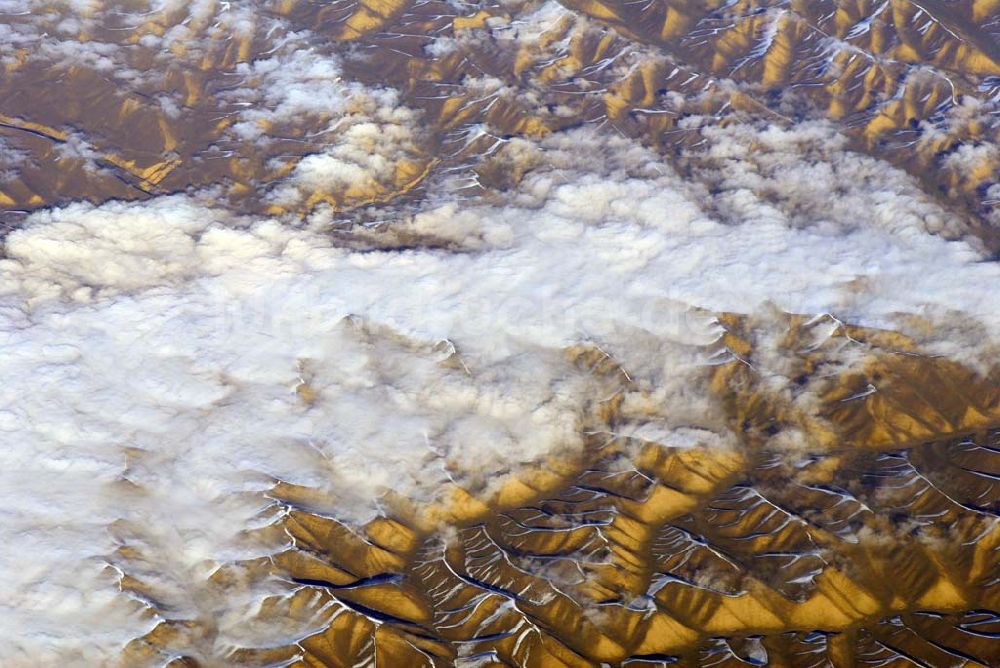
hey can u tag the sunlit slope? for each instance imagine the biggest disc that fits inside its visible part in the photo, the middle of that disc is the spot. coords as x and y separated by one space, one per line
870 538
845 510
150 107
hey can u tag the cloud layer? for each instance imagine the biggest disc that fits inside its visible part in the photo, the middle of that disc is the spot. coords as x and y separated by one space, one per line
168 362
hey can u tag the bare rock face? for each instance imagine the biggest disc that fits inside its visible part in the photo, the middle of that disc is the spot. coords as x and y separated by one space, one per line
515 333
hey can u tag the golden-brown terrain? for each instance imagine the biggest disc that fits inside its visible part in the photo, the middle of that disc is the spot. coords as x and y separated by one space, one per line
855 520
873 540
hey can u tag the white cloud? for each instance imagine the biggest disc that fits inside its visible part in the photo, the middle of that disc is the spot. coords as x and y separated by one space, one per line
11 159
360 133
166 361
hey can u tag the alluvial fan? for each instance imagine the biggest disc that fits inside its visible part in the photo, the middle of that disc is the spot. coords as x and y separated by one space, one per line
513 333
